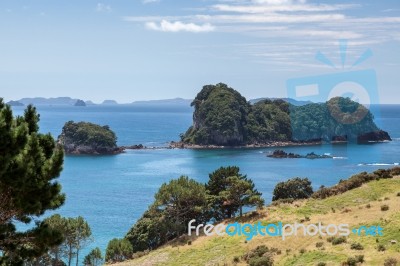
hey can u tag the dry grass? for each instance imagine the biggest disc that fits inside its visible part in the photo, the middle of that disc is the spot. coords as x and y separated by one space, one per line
349 208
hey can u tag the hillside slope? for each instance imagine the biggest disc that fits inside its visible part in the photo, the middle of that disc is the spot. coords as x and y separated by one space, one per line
360 206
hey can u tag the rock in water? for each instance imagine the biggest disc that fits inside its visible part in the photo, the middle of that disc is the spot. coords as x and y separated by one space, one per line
375 136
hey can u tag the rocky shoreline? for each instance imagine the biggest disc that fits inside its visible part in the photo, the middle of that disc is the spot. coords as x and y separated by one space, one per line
280 154
182 145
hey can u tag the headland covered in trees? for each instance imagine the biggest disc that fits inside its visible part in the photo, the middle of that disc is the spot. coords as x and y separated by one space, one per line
223 117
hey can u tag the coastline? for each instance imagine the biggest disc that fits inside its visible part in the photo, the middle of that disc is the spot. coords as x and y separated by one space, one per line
181 145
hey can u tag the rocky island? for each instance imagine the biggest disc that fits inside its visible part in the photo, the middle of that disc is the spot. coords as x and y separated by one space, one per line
282 154
88 138
224 118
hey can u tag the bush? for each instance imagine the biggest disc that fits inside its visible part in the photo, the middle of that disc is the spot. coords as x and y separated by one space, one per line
282 201
321 264
236 259
260 256
319 244
381 247
385 207
295 188
368 206
351 261
360 258
356 246
261 261
338 240
398 194
390 262
395 171
302 251
118 250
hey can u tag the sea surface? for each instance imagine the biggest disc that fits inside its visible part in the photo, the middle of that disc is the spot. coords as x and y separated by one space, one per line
112 192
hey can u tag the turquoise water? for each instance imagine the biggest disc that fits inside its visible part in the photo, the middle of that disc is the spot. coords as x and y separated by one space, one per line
111 192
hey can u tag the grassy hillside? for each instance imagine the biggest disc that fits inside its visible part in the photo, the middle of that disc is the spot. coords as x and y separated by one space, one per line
361 206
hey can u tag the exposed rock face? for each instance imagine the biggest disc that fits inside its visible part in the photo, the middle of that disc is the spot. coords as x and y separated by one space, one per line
88 138
283 154
375 136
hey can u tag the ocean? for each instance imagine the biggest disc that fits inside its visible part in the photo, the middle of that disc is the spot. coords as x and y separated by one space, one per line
112 192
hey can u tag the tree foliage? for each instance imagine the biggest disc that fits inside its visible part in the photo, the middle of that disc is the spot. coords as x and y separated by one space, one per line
228 191
295 188
29 164
118 250
337 117
76 234
176 203
181 200
94 258
241 192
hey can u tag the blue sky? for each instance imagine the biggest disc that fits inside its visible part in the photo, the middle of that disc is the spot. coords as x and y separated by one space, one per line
148 49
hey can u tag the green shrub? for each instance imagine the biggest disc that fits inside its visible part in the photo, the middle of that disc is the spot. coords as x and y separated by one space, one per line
368 206
261 261
236 259
330 239
319 244
381 247
385 207
351 261
338 240
302 251
356 246
359 258
390 262
295 188
118 250
398 194
189 242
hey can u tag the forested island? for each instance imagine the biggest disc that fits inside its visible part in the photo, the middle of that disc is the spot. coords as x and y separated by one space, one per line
223 117
88 138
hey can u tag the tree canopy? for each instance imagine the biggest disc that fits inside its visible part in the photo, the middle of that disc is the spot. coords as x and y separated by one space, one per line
30 163
295 188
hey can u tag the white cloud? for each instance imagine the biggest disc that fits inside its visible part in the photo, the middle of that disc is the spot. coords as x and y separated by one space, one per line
280 8
103 8
278 2
177 26
150 1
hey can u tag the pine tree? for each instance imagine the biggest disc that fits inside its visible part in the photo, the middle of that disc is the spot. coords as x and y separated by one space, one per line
29 164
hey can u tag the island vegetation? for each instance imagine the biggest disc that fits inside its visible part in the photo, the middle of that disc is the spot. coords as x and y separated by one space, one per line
88 138
223 117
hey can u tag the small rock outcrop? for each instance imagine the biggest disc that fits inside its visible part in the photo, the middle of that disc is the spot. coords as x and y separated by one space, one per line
375 136
283 154
88 138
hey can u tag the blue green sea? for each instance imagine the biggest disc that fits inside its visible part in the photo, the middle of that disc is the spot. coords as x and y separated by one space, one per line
112 192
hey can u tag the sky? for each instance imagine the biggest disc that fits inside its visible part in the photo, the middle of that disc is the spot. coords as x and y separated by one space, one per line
130 50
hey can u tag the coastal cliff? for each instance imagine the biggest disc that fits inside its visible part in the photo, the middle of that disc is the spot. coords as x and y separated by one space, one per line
88 138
